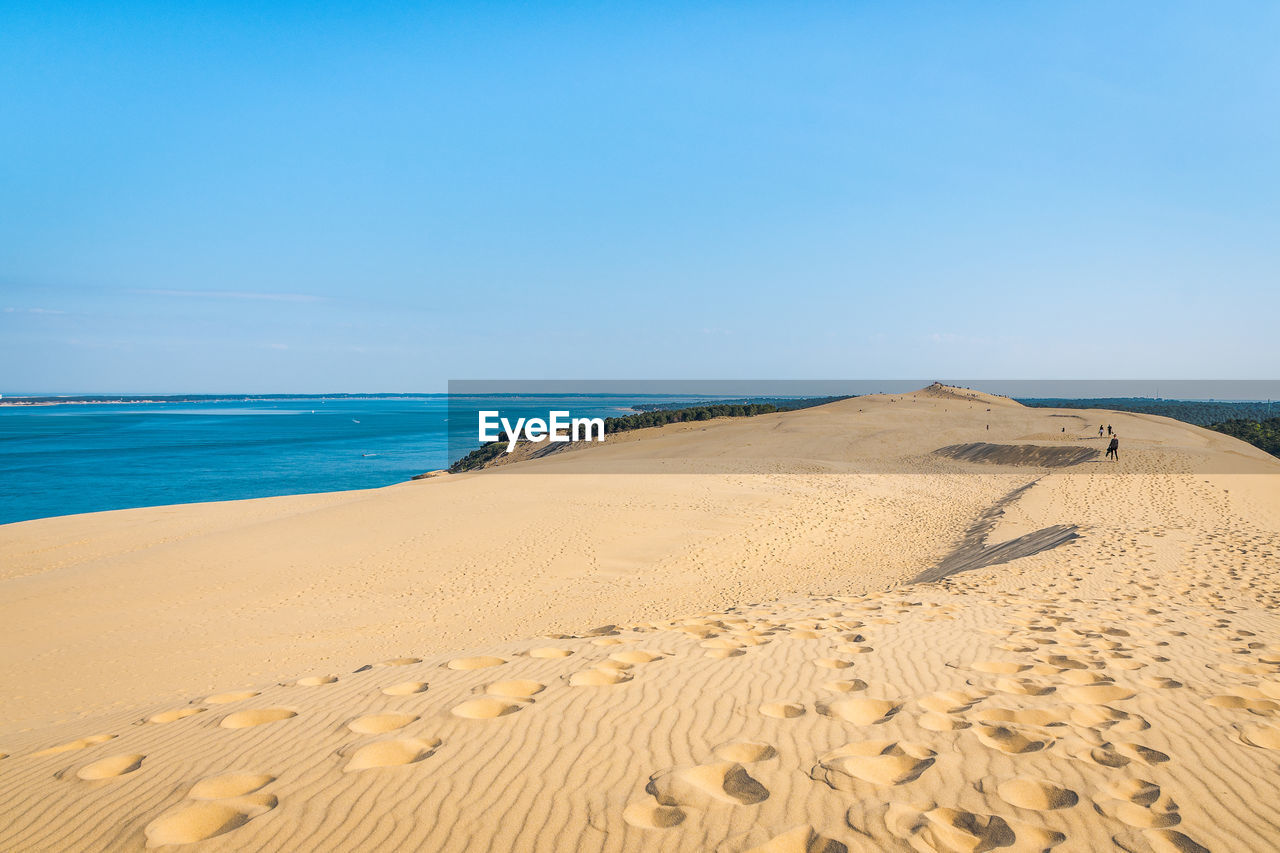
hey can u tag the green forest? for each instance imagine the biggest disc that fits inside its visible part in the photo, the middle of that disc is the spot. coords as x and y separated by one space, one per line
1263 434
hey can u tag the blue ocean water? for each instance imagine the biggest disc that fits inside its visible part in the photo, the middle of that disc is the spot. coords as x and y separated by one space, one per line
57 460
74 458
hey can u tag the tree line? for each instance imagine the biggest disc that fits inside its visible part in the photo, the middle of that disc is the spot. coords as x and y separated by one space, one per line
1262 434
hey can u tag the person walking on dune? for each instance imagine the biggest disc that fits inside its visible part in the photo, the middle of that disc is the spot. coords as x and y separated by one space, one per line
1113 449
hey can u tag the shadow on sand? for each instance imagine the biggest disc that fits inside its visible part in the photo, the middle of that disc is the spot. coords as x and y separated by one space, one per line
974 553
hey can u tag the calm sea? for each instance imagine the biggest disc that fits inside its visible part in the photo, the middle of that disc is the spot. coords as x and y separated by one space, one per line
63 459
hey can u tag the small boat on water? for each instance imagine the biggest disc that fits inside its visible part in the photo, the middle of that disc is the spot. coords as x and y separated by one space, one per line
354 421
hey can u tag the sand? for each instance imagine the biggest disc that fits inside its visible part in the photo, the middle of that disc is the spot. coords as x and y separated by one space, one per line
850 643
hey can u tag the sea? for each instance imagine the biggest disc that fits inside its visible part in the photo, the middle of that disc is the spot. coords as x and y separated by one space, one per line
88 457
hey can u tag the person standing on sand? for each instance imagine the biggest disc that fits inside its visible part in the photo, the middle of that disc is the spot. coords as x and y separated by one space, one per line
1113 449
1099 430
1108 429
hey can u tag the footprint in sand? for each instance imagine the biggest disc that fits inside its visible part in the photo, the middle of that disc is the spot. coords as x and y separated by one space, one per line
782 710
635 656
1138 752
1155 816
228 698
399 662
1105 717
1096 694
1261 736
1082 676
377 724
481 662
853 685
833 663
391 753
1036 794
1172 841
316 680
256 717
861 711
949 830
745 751
1103 755
1042 717
613 663
650 814
79 743
1262 707
202 820
599 677
950 701
229 785
486 708
723 654
882 762
1067 662
174 715
802 839
1023 686
937 722
518 689
111 768
723 782
405 688
549 652
1012 740
1126 663
1139 791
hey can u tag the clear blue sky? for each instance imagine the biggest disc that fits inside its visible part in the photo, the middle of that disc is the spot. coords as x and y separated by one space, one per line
302 197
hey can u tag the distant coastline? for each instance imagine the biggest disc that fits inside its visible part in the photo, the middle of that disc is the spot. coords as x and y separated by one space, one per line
126 399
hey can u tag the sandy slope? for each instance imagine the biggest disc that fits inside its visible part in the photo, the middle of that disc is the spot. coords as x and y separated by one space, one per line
774 680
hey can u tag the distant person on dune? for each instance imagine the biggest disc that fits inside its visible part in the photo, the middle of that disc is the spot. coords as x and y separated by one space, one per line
1108 429
1099 430
1113 449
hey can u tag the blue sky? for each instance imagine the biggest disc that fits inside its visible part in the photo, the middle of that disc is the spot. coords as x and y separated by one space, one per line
264 197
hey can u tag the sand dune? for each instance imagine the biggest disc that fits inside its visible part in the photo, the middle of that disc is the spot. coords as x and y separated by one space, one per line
693 661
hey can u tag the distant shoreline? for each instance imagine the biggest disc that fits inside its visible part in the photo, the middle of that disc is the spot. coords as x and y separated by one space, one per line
128 399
